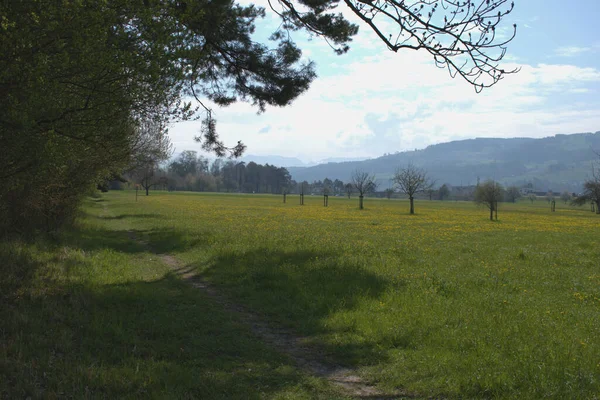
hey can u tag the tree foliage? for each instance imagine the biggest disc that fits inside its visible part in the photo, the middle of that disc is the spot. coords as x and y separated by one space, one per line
462 36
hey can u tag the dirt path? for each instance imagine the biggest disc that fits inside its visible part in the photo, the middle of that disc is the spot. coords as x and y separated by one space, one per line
281 339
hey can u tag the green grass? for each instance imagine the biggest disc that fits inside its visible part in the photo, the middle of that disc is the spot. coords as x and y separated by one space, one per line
95 315
442 303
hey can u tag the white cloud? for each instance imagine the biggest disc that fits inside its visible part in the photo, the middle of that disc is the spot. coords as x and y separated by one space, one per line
571 51
372 101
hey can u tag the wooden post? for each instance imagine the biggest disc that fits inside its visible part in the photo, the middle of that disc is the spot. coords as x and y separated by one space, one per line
325 200
136 191
553 206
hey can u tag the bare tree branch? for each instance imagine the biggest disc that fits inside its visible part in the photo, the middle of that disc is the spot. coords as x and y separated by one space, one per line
412 180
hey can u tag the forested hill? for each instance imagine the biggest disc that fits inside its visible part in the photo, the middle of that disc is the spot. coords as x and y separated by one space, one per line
560 162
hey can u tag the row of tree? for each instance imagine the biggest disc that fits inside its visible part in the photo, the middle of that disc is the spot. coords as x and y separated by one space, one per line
193 172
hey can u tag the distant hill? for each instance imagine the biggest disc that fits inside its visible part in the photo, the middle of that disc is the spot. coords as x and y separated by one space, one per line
281 161
560 162
278 161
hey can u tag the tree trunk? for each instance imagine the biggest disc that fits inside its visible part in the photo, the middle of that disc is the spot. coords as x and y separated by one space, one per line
598 207
412 205
147 189
360 202
491 213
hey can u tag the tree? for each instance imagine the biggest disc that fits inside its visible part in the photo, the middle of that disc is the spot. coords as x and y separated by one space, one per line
532 197
149 176
151 147
443 192
338 187
430 192
513 193
565 197
489 194
389 192
410 181
77 77
327 186
186 163
591 191
349 187
364 184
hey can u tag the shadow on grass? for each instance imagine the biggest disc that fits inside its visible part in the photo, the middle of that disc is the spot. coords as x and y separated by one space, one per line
17 269
157 339
131 216
300 289
161 240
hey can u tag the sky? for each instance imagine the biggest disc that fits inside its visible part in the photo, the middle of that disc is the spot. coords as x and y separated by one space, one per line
372 101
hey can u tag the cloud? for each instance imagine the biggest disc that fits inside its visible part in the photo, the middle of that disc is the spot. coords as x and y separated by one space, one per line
571 51
371 101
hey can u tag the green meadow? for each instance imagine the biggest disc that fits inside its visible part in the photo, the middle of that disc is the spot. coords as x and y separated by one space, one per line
442 304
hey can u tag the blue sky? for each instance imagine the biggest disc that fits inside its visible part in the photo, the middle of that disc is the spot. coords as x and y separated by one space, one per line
372 101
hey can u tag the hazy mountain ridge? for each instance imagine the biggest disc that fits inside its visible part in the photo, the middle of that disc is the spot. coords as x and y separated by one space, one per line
281 161
560 162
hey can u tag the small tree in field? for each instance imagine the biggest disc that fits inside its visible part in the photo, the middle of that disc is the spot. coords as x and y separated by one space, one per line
363 183
591 191
532 197
412 180
565 197
444 192
349 188
513 193
151 147
489 194
389 192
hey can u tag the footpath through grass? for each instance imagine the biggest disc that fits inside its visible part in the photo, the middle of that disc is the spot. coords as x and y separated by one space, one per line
96 315
442 303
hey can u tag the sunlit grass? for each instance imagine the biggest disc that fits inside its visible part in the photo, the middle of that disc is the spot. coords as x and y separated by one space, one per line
95 314
444 302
